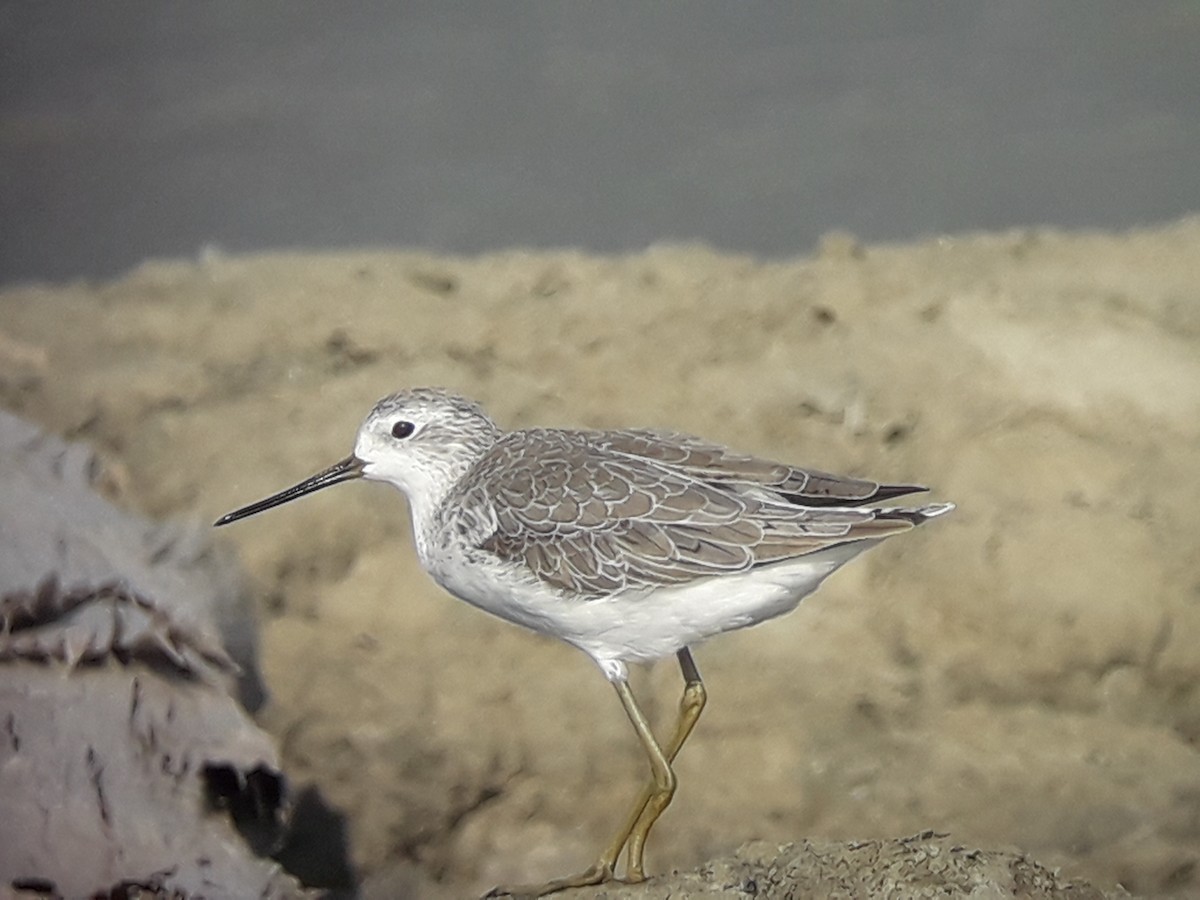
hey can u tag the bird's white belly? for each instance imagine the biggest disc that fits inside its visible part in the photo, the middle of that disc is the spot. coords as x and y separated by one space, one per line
645 626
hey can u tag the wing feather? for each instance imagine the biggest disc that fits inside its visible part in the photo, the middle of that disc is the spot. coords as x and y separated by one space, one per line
711 461
598 513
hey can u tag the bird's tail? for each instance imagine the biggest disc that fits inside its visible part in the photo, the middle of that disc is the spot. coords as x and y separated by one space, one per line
916 515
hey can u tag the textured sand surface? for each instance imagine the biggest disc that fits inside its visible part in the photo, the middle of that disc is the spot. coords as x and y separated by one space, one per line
1023 673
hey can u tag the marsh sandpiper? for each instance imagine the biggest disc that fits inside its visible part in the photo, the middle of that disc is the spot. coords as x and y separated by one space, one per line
631 545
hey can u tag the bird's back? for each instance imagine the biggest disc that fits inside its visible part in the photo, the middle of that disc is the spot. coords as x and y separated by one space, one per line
596 513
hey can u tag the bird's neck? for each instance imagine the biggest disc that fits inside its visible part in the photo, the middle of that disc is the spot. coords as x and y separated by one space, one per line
427 493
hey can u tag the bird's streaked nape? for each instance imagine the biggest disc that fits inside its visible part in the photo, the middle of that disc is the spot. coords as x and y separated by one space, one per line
632 545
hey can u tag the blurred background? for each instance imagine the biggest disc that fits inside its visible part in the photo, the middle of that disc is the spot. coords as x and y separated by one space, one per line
148 129
931 243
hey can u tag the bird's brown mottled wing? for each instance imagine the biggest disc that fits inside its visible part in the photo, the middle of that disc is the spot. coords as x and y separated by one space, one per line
713 462
588 518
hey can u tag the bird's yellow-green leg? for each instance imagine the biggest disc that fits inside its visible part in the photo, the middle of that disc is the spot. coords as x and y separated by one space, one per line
655 797
643 816
646 811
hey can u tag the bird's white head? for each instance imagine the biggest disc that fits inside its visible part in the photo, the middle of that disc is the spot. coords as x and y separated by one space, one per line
421 440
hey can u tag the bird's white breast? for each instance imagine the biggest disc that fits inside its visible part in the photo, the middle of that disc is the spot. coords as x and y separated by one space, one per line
638 626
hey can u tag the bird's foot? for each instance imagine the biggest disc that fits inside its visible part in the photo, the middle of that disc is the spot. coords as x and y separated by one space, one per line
597 874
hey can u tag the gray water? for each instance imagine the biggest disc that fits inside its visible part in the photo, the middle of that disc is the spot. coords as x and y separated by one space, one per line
145 129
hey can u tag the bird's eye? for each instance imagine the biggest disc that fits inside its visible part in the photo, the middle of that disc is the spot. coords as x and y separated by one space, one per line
403 429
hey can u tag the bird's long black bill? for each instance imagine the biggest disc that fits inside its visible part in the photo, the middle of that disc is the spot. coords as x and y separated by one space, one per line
349 468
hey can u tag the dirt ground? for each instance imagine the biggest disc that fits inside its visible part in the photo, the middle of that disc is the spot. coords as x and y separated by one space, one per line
1024 673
